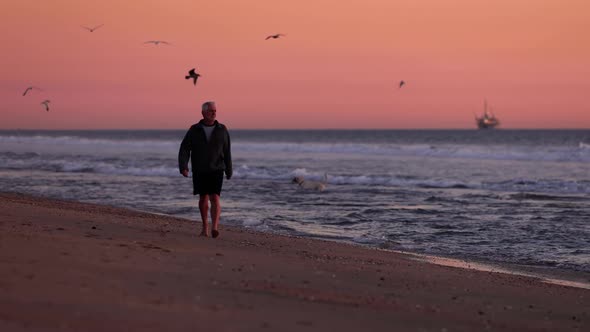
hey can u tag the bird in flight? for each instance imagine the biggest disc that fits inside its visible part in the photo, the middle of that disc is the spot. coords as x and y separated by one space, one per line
157 42
193 75
275 36
46 104
401 83
31 88
93 28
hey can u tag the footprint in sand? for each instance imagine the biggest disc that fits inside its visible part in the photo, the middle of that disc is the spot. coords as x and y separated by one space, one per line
151 246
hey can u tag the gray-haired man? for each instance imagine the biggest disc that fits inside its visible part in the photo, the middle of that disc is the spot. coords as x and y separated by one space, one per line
207 145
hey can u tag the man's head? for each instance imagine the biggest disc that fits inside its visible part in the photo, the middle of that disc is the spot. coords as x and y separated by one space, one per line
209 111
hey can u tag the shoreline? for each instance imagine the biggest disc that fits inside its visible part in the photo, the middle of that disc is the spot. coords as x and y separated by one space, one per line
561 277
557 276
67 265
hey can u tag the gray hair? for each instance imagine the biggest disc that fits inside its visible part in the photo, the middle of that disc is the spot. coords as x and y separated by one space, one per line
208 105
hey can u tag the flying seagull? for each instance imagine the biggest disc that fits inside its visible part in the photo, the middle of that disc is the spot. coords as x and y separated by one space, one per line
401 83
193 75
46 104
93 28
275 36
31 88
157 42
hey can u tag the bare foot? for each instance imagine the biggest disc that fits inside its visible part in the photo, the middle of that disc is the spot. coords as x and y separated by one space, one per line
204 233
215 233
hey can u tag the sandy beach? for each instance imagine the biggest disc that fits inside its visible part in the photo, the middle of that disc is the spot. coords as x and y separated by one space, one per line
68 266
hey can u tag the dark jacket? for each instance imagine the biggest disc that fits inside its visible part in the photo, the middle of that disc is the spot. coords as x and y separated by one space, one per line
214 155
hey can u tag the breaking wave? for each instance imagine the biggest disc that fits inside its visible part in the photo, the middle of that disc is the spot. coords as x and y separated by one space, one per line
559 153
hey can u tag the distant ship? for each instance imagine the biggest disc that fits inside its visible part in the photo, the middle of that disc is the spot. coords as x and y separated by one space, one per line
488 120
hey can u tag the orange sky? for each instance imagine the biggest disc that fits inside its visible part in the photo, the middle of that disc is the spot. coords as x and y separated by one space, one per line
338 66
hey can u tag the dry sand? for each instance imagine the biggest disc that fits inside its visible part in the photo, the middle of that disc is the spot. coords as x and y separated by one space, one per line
68 266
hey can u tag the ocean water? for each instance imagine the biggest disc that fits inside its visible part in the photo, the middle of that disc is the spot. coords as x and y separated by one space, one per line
502 196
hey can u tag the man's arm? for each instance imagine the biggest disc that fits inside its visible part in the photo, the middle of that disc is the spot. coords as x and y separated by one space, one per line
184 154
227 156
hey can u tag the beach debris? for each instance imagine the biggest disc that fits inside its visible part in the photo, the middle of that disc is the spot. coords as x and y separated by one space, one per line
401 83
157 42
275 36
30 89
93 227
46 104
194 75
93 28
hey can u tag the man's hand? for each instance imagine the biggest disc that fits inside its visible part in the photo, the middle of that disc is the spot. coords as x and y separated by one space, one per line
185 173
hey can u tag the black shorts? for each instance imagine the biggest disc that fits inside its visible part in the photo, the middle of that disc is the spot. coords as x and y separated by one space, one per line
205 183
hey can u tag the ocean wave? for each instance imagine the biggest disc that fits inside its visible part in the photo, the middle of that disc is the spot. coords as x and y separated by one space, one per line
575 153
282 174
466 151
69 142
541 197
80 164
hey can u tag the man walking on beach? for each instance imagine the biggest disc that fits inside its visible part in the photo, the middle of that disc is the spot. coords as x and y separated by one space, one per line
207 144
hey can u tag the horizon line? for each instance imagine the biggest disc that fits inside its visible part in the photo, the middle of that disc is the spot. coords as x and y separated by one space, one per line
287 129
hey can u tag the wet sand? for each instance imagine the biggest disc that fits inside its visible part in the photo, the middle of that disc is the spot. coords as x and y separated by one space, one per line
68 266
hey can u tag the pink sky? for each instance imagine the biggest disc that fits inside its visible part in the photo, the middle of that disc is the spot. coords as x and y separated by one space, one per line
338 66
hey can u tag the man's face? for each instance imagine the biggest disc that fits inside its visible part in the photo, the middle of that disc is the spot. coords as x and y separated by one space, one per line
210 114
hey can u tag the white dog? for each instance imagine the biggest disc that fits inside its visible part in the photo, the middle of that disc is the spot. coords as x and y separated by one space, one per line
314 185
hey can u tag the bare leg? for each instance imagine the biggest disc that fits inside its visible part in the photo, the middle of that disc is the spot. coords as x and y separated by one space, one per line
215 213
203 208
